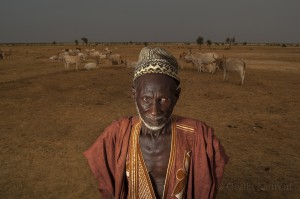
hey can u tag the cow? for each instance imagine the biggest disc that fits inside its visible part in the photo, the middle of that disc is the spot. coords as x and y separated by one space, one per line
69 59
6 54
232 64
115 59
203 61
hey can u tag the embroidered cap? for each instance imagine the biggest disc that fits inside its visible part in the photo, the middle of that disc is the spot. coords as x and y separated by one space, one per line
156 60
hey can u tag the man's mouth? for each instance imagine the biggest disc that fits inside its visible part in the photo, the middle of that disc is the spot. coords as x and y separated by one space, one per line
155 121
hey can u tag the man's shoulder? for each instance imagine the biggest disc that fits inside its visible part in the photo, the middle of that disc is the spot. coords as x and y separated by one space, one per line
119 125
125 120
191 122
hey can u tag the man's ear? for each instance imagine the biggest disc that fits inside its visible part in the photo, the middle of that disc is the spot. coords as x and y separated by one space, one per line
178 91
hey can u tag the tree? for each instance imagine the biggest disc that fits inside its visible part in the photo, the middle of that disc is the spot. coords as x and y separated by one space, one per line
145 43
230 41
54 43
208 43
85 40
200 41
233 40
76 42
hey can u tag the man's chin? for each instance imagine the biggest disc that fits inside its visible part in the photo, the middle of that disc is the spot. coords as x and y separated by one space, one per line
154 127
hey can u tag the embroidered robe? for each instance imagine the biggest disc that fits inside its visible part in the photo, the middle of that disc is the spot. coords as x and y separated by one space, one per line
196 163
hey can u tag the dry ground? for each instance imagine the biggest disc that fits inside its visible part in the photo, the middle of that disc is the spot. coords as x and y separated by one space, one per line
49 116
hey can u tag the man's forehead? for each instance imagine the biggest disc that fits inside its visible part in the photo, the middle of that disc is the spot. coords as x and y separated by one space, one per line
155 78
155 82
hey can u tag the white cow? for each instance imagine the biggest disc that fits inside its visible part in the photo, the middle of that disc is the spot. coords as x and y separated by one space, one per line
94 53
92 65
203 61
115 59
69 59
107 51
102 57
232 64
60 55
89 66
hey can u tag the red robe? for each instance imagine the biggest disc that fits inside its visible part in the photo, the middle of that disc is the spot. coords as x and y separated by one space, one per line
196 163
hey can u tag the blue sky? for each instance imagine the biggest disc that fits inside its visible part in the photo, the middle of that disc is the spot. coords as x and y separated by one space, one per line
254 21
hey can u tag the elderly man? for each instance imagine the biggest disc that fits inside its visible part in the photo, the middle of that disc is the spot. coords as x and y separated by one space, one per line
157 154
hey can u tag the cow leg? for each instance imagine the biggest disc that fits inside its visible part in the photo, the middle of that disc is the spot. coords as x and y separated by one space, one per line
224 75
242 74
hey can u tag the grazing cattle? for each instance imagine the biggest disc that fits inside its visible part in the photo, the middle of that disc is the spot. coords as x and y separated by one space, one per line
203 61
102 57
182 57
232 64
60 55
83 55
55 57
98 56
210 68
92 65
107 51
69 59
6 54
115 59
94 54
89 66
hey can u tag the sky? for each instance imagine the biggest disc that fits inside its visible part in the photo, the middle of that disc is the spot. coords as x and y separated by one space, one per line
251 21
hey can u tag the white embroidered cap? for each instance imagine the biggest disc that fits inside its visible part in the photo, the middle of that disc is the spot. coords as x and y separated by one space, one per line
156 60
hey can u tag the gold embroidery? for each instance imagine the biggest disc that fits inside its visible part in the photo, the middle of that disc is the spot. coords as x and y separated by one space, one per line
181 176
171 158
145 185
139 182
185 128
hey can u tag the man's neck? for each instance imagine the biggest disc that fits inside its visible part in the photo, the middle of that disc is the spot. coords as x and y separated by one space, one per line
155 134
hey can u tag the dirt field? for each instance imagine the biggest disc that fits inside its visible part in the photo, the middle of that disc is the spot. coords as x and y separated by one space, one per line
49 116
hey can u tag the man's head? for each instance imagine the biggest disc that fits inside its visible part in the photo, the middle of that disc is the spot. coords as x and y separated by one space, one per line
155 87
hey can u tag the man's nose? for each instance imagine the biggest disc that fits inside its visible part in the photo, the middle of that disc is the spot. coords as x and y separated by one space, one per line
155 108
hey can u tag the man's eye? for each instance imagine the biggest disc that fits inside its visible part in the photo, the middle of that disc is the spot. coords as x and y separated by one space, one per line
145 99
162 100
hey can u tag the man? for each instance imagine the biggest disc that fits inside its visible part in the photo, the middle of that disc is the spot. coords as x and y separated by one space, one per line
157 154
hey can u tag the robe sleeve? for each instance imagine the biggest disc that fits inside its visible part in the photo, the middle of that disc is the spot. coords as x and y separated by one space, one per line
101 159
220 159
208 164
217 158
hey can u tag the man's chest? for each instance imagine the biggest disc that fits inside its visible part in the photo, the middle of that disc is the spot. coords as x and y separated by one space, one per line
156 155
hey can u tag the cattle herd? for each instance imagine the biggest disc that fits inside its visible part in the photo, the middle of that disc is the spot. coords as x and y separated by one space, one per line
91 58
211 62
76 56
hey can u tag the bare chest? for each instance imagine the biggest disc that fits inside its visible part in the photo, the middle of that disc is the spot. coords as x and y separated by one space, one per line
156 153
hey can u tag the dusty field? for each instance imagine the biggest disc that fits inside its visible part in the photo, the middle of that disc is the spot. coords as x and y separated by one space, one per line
49 116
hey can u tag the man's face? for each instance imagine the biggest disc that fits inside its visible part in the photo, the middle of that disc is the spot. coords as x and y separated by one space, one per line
155 96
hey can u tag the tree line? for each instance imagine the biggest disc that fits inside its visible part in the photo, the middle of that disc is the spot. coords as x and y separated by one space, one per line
229 41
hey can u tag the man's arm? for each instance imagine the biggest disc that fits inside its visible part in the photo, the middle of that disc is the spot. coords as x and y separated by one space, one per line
220 159
101 159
